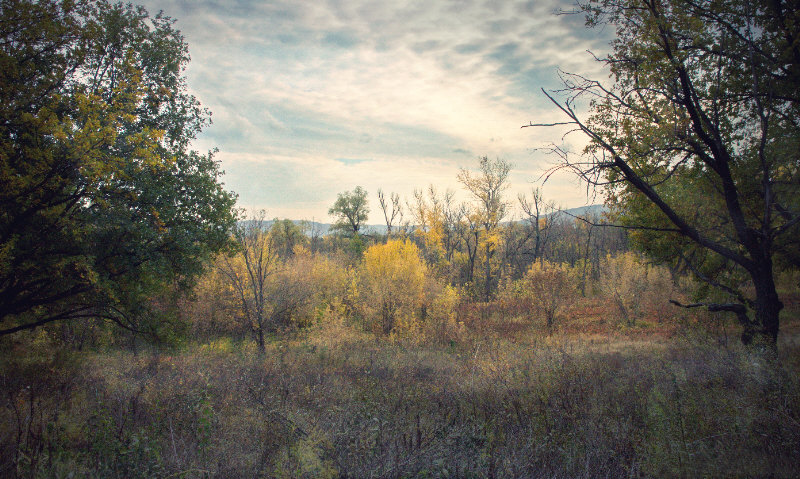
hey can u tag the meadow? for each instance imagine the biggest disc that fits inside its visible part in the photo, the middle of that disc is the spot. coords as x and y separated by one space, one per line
674 396
150 327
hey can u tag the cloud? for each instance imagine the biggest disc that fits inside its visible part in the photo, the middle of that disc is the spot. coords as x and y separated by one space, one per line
352 161
341 39
301 90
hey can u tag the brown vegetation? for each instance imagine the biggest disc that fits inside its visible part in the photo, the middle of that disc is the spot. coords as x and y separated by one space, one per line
408 356
333 402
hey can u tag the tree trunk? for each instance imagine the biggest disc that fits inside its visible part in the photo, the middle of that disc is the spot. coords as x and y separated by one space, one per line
472 253
488 268
586 262
767 310
260 339
387 317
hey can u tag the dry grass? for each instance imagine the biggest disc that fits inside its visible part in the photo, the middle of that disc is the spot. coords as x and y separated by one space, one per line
506 398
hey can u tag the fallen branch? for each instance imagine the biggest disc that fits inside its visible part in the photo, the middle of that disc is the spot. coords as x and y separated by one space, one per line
738 309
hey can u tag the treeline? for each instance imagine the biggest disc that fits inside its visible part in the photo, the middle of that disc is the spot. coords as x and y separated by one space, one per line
441 267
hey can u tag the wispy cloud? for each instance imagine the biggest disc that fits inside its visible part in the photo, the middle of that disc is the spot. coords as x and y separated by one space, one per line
302 91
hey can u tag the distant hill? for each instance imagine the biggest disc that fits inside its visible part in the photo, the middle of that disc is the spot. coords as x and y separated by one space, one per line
591 210
321 229
310 227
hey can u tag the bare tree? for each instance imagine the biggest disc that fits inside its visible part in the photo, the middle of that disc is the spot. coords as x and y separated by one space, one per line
269 289
540 216
249 270
391 212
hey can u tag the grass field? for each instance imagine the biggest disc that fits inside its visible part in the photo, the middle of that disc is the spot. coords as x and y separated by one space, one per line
507 399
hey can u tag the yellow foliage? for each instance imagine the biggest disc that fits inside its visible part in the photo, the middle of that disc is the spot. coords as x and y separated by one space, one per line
633 286
305 458
442 323
391 284
220 346
324 281
550 285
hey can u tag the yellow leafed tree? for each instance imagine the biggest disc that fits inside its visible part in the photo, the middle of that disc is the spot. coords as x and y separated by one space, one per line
486 187
550 284
391 284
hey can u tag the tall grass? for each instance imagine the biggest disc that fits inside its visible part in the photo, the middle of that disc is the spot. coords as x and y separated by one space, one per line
334 401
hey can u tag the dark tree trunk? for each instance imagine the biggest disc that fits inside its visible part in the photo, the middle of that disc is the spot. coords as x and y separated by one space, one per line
387 317
767 310
472 253
260 340
488 270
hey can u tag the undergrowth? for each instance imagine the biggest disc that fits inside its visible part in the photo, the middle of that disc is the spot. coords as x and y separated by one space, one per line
334 401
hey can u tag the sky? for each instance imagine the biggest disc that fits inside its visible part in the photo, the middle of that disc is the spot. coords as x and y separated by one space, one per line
313 98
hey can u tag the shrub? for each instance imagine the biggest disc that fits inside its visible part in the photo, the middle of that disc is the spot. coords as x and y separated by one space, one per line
442 323
634 287
547 286
391 282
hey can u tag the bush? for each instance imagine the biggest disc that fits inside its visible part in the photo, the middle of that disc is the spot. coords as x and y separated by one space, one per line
543 290
299 292
442 324
635 288
391 282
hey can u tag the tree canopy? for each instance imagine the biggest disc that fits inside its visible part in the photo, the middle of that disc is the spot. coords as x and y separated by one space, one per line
696 141
351 210
487 188
102 201
392 279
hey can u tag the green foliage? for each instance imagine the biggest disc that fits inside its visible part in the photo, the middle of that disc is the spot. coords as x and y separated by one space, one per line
286 236
351 210
696 141
355 247
132 453
102 204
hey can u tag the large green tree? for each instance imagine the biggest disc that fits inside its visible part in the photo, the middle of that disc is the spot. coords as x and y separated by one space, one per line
351 210
697 141
102 203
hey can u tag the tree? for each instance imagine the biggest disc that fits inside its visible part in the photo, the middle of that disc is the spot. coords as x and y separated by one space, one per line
549 285
286 235
392 280
267 290
487 188
249 271
391 214
631 284
540 217
102 203
436 217
536 226
351 210
697 141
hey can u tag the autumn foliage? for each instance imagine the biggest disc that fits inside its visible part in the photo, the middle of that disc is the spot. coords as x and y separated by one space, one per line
391 283
149 329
